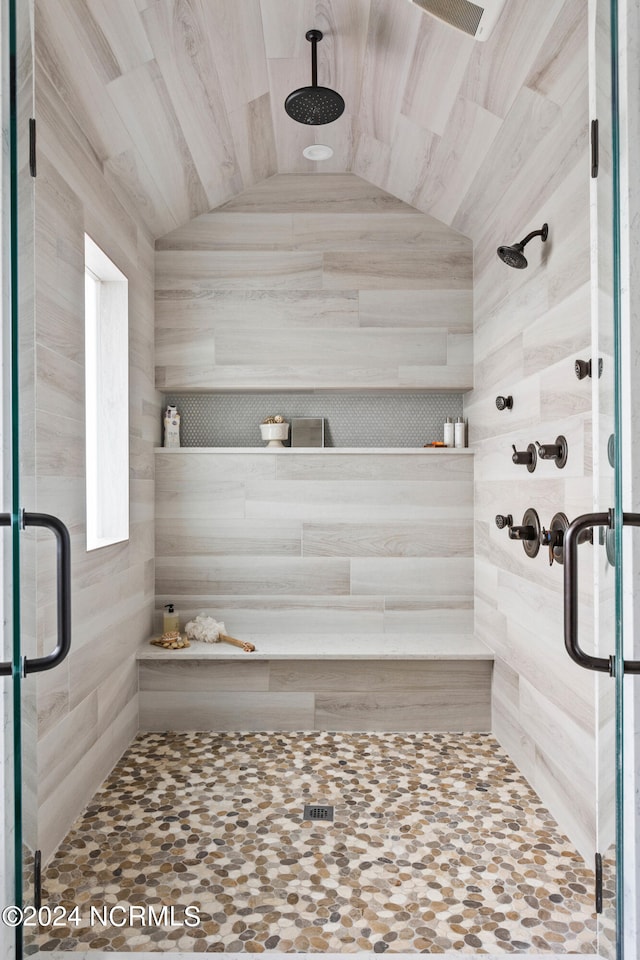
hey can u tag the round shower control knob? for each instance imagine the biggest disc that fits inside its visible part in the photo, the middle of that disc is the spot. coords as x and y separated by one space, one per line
504 403
503 521
582 368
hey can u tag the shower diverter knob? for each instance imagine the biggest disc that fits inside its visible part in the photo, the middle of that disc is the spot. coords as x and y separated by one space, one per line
584 368
504 520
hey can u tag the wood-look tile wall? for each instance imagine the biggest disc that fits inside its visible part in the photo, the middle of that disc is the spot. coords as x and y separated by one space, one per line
529 328
313 282
183 102
317 543
86 712
496 150
413 695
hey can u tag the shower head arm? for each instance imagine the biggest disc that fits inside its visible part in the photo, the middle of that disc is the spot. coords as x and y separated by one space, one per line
544 233
314 36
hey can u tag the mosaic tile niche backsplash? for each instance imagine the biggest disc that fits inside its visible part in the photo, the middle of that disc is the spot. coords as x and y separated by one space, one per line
351 420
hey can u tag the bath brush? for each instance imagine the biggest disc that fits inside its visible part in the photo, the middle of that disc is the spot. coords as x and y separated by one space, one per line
208 630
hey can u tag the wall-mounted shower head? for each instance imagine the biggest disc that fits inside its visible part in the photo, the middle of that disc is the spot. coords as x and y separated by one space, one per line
314 105
513 256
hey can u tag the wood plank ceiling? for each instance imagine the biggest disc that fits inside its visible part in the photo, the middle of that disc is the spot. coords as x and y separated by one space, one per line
182 100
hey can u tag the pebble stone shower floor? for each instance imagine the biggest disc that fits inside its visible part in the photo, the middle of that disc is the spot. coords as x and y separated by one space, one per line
438 844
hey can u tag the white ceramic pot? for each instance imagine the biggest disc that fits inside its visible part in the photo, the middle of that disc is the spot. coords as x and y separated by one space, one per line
275 433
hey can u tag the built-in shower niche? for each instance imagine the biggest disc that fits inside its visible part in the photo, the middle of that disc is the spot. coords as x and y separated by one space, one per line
350 420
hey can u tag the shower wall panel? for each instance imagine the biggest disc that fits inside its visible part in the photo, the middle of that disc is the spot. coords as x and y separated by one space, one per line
529 328
85 712
314 282
317 543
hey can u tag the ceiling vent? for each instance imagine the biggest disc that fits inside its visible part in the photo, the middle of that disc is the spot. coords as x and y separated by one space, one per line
476 19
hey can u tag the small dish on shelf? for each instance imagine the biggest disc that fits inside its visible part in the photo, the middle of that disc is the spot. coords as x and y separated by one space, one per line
274 433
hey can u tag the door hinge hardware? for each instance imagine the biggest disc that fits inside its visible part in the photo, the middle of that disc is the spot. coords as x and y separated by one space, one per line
598 882
37 879
32 147
595 149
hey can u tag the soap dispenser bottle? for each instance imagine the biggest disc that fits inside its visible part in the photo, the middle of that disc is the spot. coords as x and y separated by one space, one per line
170 619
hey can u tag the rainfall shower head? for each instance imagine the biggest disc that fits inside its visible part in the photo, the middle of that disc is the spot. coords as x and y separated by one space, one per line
513 256
314 105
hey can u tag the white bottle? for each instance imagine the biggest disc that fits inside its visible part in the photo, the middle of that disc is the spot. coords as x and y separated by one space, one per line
171 427
459 432
449 437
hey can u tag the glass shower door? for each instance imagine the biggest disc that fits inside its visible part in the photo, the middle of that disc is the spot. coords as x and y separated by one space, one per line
603 572
603 352
18 411
10 775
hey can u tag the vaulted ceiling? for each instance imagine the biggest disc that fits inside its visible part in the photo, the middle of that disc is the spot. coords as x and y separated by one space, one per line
182 100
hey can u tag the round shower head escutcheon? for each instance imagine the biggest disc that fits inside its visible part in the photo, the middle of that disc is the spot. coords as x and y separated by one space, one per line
314 105
514 256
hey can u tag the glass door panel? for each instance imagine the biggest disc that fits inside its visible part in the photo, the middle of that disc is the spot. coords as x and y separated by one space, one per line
25 430
607 554
7 725
603 470
17 410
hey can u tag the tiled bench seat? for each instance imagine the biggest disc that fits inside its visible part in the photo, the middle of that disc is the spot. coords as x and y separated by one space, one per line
403 682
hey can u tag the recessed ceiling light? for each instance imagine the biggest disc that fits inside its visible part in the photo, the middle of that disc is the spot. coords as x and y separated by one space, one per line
317 151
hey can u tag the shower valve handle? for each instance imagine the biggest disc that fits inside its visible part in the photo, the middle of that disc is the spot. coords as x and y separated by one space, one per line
523 533
548 451
554 451
553 539
520 456
526 457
